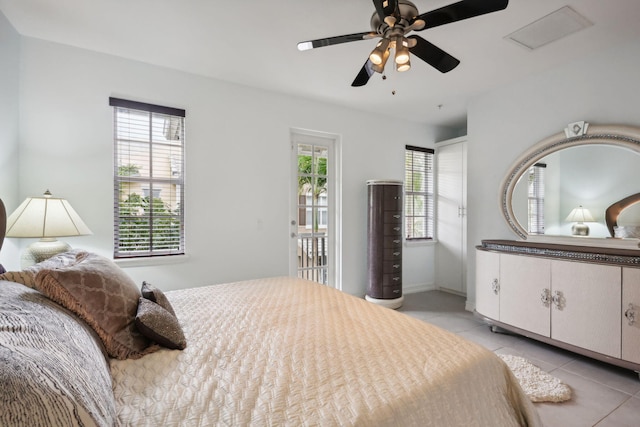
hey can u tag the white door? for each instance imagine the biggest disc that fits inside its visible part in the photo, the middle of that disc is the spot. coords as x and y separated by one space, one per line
488 284
451 211
586 310
630 314
314 222
523 282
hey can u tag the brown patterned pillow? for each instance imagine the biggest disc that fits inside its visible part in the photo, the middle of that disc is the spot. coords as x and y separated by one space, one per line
101 294
27 276
159 325
154 294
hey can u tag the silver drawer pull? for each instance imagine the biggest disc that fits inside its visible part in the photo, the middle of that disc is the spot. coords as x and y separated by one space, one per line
396 241
396 265
558 300
396 279
545 297
396 216
495 286
396 254
630 314
396 228
396 291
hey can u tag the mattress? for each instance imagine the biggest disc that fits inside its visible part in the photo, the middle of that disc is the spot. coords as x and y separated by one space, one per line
285 351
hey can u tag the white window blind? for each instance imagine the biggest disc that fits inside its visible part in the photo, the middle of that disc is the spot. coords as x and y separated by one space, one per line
148 179
418 193
536 198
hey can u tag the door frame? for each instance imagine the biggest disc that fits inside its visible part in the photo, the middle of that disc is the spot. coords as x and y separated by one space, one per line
463 144
334 200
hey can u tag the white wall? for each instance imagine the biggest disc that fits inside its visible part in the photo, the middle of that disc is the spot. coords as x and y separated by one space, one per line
601 89
237 156
9 104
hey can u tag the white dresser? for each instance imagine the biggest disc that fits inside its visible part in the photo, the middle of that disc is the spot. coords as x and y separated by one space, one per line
583 299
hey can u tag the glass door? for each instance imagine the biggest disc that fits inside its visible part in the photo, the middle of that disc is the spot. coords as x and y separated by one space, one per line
312 225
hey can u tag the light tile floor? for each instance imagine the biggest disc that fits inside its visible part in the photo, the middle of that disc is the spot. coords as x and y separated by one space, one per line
602 395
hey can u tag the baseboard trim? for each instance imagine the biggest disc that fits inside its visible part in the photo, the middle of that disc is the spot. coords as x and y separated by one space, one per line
418 287
470 305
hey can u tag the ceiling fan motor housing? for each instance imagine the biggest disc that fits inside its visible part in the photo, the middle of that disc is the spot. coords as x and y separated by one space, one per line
407 11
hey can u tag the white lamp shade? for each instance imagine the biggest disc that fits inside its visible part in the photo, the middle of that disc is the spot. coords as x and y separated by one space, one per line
580 214
45 217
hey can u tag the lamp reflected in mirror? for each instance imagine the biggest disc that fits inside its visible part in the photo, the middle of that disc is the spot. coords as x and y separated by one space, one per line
580 215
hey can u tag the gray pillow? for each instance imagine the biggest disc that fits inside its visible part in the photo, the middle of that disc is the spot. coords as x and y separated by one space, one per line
154 294
104 296
27 276
53 368
159 325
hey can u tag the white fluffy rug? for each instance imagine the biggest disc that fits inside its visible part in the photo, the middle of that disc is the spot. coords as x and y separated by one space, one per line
537 384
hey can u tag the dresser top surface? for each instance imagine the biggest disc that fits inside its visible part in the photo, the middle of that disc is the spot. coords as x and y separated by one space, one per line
604 255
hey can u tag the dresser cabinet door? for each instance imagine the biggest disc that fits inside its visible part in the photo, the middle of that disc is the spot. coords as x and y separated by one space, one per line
523 281
631 314
586 306
488 284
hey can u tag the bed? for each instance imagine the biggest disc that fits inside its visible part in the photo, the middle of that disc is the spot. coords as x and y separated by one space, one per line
269 352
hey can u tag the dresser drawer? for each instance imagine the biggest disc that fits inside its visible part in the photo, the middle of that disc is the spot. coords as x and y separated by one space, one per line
392 230
391 242
392 267
392 217
392 199
392 279
391 291
392 254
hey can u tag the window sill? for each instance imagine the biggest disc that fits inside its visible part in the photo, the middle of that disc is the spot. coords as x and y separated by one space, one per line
417 243
150 261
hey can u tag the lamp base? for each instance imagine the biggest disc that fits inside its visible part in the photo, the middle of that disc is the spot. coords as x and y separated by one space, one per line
42 250
580 229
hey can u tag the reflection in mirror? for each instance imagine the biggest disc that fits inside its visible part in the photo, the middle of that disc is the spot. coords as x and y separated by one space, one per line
585 176
592 169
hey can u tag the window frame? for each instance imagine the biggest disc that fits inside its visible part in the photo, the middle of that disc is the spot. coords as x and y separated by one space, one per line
176 148
410 167
535 199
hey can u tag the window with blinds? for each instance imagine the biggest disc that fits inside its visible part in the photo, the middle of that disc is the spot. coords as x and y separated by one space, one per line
418 193
148 179
536 198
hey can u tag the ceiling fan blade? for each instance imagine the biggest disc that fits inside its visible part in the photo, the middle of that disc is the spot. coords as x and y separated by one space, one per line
329 41
364 75
464 9
433 55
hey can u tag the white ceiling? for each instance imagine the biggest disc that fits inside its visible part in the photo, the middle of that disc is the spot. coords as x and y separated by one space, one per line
254 43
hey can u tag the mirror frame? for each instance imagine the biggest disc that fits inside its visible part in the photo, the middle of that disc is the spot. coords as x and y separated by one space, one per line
616 135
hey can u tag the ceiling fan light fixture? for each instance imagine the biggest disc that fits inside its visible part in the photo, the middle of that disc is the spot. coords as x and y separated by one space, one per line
403 67
402 50
377 56
379 68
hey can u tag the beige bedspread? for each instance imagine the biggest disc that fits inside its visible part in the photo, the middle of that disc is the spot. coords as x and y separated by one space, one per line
284 351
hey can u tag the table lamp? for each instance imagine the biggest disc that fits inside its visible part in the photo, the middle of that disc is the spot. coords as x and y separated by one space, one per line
45 217
579 215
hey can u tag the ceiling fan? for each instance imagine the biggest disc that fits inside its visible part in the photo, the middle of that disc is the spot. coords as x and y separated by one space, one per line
393 20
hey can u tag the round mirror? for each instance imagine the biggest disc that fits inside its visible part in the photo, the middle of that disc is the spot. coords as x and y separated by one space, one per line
564 185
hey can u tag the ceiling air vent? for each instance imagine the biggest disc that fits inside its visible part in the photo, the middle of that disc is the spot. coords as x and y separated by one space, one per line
550 28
